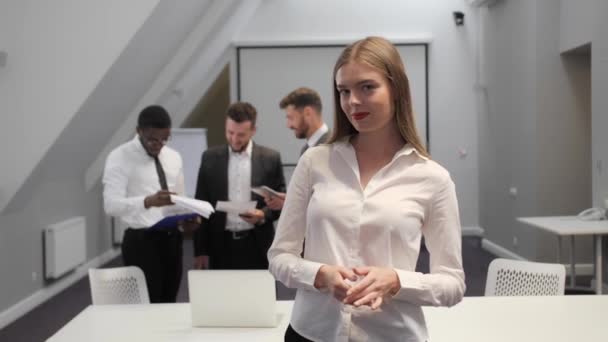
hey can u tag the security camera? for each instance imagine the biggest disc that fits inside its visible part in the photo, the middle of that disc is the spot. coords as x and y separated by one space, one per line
458 18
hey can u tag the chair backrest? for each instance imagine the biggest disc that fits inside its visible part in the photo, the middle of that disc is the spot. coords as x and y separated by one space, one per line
524 278
120 285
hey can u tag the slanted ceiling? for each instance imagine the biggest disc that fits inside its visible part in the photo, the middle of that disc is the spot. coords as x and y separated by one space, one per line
106 108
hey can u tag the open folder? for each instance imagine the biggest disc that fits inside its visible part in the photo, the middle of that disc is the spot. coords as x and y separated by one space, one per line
173 221
184 209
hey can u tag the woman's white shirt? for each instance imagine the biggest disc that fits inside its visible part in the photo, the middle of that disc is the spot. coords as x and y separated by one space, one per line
380 225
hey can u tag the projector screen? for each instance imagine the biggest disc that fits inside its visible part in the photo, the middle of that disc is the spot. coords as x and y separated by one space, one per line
266 74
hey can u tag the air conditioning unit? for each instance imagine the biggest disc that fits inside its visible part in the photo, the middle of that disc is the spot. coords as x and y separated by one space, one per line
481 3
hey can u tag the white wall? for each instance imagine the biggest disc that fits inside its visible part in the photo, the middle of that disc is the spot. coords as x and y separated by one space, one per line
599 108
564 126
536 121
507 124
576 23
189 73
80 123
599 104
58 52
452 114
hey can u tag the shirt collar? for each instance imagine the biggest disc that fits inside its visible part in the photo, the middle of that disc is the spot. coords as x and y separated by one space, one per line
408 149
246 151
314 138
343 145
137 143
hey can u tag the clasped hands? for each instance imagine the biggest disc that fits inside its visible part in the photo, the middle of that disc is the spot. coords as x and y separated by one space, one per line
375 284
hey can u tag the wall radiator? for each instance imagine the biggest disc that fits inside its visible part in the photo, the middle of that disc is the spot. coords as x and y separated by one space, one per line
65 246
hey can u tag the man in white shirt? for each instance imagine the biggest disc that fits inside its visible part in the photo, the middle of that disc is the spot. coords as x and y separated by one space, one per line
303 110
228 173
138 179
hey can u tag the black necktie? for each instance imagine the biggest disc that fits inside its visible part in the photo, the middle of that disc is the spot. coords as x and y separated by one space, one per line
161 174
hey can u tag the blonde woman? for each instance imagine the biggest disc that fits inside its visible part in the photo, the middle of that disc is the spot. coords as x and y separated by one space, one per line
363 202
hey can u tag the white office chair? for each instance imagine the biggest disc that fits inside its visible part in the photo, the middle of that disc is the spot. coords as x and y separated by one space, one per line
523 278
120 285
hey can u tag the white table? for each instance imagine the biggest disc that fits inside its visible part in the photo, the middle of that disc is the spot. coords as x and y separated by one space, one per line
573 226
521 319
497 319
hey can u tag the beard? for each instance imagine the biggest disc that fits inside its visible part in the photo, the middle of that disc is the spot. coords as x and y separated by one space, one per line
240 149
300 134
301 131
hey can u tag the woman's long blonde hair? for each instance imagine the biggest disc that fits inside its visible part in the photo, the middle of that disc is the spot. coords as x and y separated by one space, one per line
381 55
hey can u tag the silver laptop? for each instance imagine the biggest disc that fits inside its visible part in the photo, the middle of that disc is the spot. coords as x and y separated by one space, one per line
232 298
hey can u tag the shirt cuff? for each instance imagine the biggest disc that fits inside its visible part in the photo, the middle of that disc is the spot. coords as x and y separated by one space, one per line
306 272
138 203
411 284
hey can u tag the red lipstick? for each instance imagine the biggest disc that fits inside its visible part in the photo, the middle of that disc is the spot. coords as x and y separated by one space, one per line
359 115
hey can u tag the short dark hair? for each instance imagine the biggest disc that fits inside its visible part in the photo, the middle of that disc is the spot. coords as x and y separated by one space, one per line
301 98
154 116
241 112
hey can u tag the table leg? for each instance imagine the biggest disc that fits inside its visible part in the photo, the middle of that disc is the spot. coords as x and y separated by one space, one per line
599 283
572 267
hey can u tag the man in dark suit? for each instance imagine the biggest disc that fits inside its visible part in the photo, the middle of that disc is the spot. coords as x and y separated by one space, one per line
228 173
303 110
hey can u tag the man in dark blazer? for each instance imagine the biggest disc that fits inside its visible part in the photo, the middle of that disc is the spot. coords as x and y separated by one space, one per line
228 173
303 110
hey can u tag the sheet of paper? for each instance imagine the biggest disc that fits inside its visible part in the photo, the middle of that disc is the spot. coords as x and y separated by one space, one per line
200 207
235 207
264 191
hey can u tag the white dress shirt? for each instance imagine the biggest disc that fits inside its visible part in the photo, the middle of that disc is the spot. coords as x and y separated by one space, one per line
380 225
239 185
130 175
314 138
